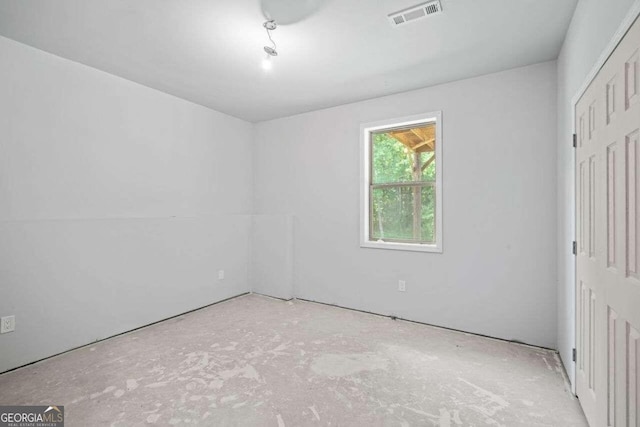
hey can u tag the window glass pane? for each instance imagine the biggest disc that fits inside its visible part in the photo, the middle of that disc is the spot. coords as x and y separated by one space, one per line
403 155
392 161
428 161
428 229
393 212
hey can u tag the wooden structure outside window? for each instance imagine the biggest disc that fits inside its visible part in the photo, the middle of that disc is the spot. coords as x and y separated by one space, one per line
402 184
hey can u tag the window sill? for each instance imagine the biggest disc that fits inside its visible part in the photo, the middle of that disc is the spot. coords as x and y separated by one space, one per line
412 247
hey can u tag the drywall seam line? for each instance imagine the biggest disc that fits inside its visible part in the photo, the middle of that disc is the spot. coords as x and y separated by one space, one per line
124 218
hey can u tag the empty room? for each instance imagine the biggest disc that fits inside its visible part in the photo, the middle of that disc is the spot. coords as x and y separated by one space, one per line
320 213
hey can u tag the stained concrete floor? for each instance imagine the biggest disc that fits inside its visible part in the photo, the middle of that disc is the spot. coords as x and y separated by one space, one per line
257 361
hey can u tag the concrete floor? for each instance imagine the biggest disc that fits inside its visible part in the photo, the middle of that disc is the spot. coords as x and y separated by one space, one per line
256 361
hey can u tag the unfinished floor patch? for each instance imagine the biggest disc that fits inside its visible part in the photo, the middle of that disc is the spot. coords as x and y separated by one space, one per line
259 361
342 365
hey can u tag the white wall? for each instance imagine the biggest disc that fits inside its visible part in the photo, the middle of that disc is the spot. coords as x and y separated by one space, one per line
272 256
497 274
81 221
118 204
593 25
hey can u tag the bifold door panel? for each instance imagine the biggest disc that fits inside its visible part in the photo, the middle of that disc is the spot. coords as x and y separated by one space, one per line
608 235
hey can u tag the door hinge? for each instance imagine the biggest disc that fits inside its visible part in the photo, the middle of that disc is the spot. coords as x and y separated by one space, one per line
574 355
575 140
574 248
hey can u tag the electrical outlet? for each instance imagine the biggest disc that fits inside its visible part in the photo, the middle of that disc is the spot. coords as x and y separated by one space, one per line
402 286
7 324
220 274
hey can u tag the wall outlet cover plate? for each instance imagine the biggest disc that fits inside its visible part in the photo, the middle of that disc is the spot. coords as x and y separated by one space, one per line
7 324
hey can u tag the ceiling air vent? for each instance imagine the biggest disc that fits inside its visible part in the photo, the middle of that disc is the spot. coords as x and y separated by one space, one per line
415 13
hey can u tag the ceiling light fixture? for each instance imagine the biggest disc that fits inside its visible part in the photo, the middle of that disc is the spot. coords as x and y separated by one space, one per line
270 50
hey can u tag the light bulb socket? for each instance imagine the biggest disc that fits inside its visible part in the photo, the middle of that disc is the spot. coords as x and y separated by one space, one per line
270 51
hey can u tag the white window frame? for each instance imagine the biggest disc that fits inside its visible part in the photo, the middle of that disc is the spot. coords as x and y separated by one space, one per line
365 171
